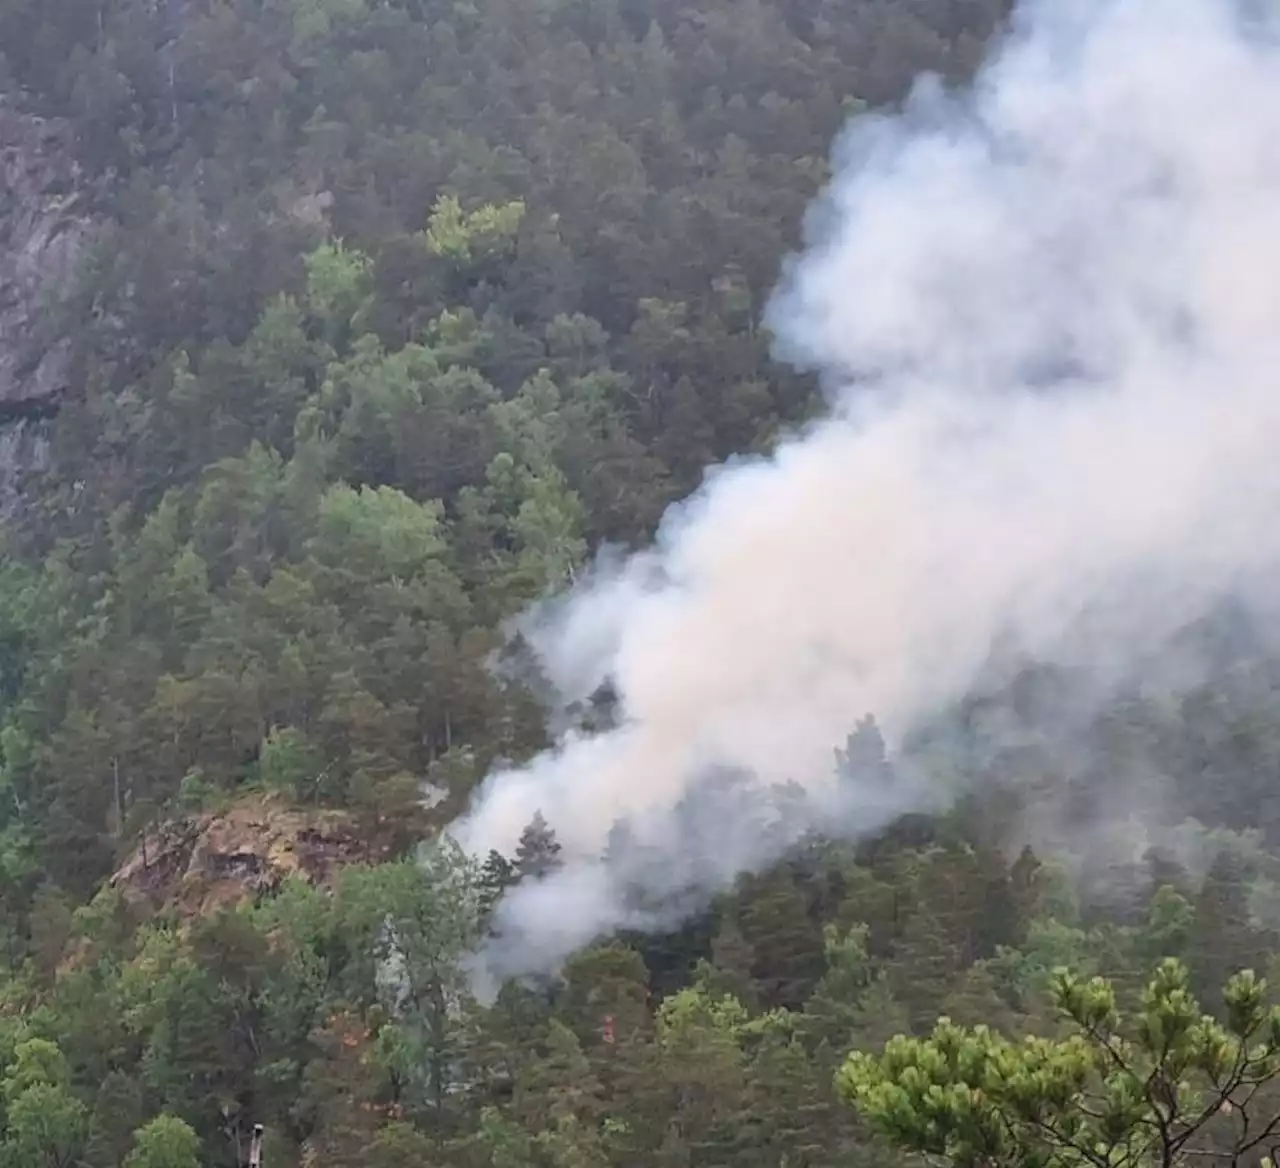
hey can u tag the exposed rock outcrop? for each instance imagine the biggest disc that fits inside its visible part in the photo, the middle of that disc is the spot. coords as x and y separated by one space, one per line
44 226
205 861
45 223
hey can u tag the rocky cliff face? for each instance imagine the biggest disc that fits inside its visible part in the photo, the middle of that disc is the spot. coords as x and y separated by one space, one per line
44 226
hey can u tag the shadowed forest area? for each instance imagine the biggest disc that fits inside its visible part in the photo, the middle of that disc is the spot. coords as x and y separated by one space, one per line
394 312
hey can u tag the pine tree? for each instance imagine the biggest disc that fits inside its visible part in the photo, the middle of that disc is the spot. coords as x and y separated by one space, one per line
729 972
496 875
538 853
1170 919
974 1000
1026 886
879 1017
1164 1085
788 943
1222 938
864 758
560 1098
832 1012
925 962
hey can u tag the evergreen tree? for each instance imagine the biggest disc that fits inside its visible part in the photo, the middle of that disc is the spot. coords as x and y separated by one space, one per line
864 758
395 314
538 852
1165 1087
924 964
496 876
1222 938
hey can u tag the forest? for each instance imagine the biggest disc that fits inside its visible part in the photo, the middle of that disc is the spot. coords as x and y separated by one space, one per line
398 311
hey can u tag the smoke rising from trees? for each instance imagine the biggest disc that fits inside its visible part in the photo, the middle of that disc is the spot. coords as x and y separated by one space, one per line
1045 311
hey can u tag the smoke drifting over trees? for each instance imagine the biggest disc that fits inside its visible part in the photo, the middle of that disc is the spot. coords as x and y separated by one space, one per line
1043 311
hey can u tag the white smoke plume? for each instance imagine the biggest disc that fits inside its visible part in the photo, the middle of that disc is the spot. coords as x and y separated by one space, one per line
1047 312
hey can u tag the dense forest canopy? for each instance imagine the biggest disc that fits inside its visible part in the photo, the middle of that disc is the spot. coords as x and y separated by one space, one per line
395 312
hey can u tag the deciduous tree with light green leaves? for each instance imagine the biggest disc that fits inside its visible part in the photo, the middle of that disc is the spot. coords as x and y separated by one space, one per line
1168 1085
165 1142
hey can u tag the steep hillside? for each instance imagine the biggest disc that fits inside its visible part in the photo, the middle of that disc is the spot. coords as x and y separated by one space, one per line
337 332
387 325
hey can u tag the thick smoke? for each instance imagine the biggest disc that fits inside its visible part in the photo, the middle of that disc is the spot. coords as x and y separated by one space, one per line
1047 313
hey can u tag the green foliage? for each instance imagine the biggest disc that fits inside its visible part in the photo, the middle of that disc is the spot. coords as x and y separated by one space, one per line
45 1125
165 1142
36 1062
380 530
288 763
1160 1087
337 283
399 312
465 238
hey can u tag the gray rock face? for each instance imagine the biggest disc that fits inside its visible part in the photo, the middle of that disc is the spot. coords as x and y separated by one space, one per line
24 449
44 225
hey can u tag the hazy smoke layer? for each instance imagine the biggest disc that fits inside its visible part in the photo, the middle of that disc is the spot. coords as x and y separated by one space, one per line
1048 313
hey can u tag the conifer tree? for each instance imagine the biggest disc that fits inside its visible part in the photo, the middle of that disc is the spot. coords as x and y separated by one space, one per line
538 853
1222 939
865 758
497 874
1166 1086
